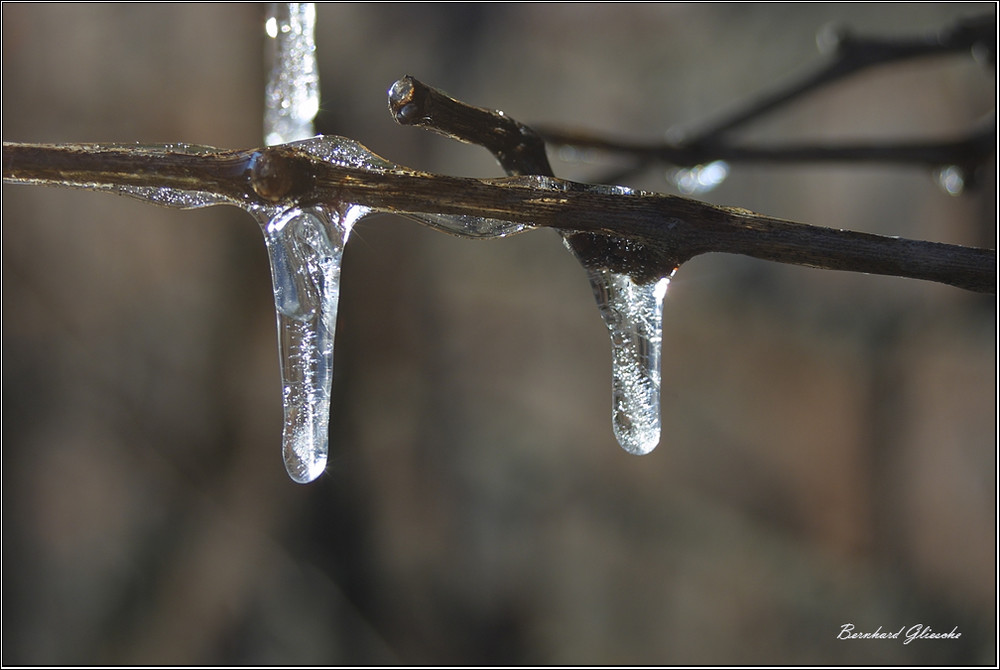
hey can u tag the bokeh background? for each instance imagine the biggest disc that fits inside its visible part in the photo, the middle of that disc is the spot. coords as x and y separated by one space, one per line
828 453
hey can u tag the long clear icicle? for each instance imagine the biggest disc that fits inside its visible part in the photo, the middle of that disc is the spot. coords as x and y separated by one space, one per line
305 248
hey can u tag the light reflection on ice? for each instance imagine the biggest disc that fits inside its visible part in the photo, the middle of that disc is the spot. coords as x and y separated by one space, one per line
700 178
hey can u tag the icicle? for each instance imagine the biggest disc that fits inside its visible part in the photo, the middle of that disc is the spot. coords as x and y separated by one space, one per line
633 313
306 248
292 94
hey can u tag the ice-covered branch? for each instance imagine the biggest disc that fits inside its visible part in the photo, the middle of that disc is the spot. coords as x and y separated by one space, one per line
673 228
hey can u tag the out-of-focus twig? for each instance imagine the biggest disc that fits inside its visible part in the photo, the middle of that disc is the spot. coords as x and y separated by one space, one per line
972 148
851 55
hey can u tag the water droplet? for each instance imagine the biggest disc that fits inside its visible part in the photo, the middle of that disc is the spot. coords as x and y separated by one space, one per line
951 179
983 54
700 178
675 135
401 97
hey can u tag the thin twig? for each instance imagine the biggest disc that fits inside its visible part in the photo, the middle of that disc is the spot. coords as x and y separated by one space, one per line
851 55
973 148
672 228
518 149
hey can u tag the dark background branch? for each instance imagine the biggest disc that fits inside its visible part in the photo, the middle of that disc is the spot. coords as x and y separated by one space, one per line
851 55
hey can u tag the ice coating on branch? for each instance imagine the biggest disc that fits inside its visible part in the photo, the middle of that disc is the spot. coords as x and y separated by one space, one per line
306 247
348 153
170 197
292 94
345 152
160 195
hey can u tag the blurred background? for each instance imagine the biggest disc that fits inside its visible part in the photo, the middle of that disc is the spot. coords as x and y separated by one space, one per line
828 451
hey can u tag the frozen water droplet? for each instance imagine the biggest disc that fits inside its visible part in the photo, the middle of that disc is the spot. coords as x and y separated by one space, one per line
633 313
306 247
400 96
292 94
700 178
951 179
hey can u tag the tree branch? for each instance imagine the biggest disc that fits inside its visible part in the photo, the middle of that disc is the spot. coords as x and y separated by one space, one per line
970 149
851 55
673 228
